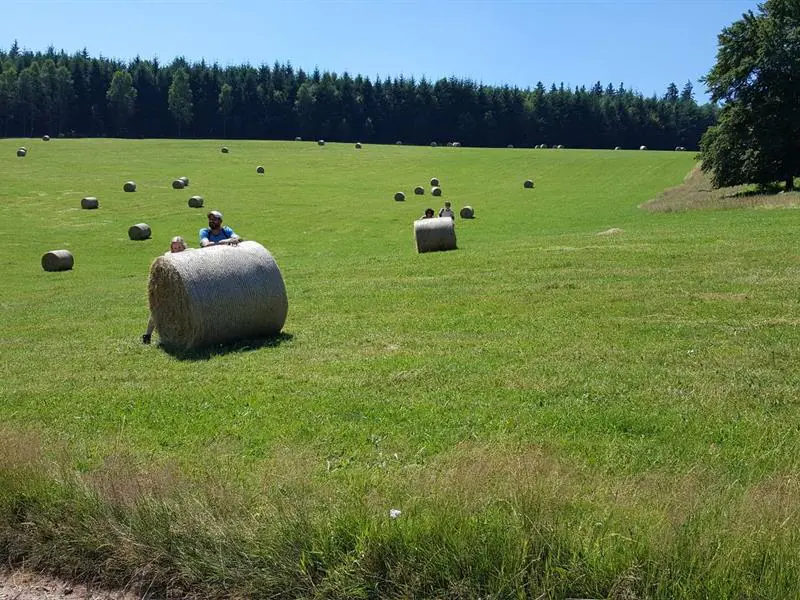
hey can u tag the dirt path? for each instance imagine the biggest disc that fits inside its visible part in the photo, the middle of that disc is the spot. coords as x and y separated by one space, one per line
22 585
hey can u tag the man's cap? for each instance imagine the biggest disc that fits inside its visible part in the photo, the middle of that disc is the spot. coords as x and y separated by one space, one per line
215 213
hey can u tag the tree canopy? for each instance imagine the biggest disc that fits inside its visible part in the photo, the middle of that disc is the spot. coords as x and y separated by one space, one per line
757 79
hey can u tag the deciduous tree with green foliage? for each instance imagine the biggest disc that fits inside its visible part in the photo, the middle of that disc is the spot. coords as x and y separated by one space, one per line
122 98
180 99
757 78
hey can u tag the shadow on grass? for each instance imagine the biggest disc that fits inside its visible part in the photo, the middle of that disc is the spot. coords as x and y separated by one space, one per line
222 349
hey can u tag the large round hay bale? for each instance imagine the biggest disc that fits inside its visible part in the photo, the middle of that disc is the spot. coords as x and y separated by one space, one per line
185 181
89 202
358 145
129 186
467 213
419 190
528 184
298 139
140 231
196 202
438 233
21 152
642 147
45 138
399 196
57 260
436 191
260 170
434 181
217 295
320 142
177 184
224 150
434 145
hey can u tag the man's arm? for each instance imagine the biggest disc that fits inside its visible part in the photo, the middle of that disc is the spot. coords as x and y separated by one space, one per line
232 238
204 241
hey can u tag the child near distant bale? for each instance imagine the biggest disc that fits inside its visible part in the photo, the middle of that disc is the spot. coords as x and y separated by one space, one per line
177 244
447 211
428 214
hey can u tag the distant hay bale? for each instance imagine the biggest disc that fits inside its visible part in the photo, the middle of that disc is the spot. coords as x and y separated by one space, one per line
320 142
89 202
617 148
544 146
196 202
436 191
217 295
449 144
612 231
129 186
224 150
456 144
679 148
467 213
358 145
45 138
399 196
140 231
511 146
419 190
298 139
260 170
560 147
434 145
642 147
398 143
57 260
21 152
432 235
185 181
528 184
434 181
177 184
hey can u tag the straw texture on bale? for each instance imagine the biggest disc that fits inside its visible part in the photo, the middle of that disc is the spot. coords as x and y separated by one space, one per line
224 150
432 235
467 212
321 142
217 295
21 152
90 202
185 181
196 202
358 145
436 191
140 231
45 138
57 260
419 190
260 170
399 196
178 184
434 181
129 186
528 184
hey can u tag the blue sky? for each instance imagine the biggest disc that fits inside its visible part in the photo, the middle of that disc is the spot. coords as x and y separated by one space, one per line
644 43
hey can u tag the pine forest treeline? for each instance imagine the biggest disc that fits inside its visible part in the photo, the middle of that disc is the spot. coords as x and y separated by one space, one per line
56 93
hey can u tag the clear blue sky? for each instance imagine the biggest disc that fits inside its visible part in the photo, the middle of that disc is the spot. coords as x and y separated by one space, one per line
644 43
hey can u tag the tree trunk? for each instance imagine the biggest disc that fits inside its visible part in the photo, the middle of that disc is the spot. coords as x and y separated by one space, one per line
789 183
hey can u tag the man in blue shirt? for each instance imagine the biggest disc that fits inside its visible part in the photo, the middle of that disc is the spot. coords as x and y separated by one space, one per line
215 234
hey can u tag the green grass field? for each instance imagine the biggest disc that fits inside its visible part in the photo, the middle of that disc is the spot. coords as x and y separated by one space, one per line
556 413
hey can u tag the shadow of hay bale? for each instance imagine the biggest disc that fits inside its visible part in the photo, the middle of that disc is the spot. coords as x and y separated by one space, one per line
239 346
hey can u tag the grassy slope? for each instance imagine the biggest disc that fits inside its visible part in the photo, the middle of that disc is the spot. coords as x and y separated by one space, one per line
663 350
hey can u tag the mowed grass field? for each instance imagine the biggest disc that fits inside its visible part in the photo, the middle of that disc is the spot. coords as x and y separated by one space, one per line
556 412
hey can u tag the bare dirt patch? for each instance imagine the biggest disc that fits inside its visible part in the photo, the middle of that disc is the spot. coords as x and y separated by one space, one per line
24 585
696 193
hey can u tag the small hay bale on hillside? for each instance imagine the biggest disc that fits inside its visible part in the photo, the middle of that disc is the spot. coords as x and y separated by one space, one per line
456 144
57 260
21 152
90 202
560 147
298 139
260 170
177 184
419 190
510 146
358 145
434 181
140 231
434 145
398 143
217 295
185 181
45 138
436 191
320 142
449 144
196 202
224 150
528 184
399 196
432 235
467 213
129 186
617 148
642 147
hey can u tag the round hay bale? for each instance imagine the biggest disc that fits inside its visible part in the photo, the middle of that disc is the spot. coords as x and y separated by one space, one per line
511 146
449 144
436 191
21 152
642 147
467 213
434 145
617 148
57 260
45 138
260 170
140 231
196 202
419 190
177 184
90 202
399 196
560 147
224 150
434 181
298 139
129 186
185 181
528 184
398 143
456 144
432 235
320 142
217 295
358 145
